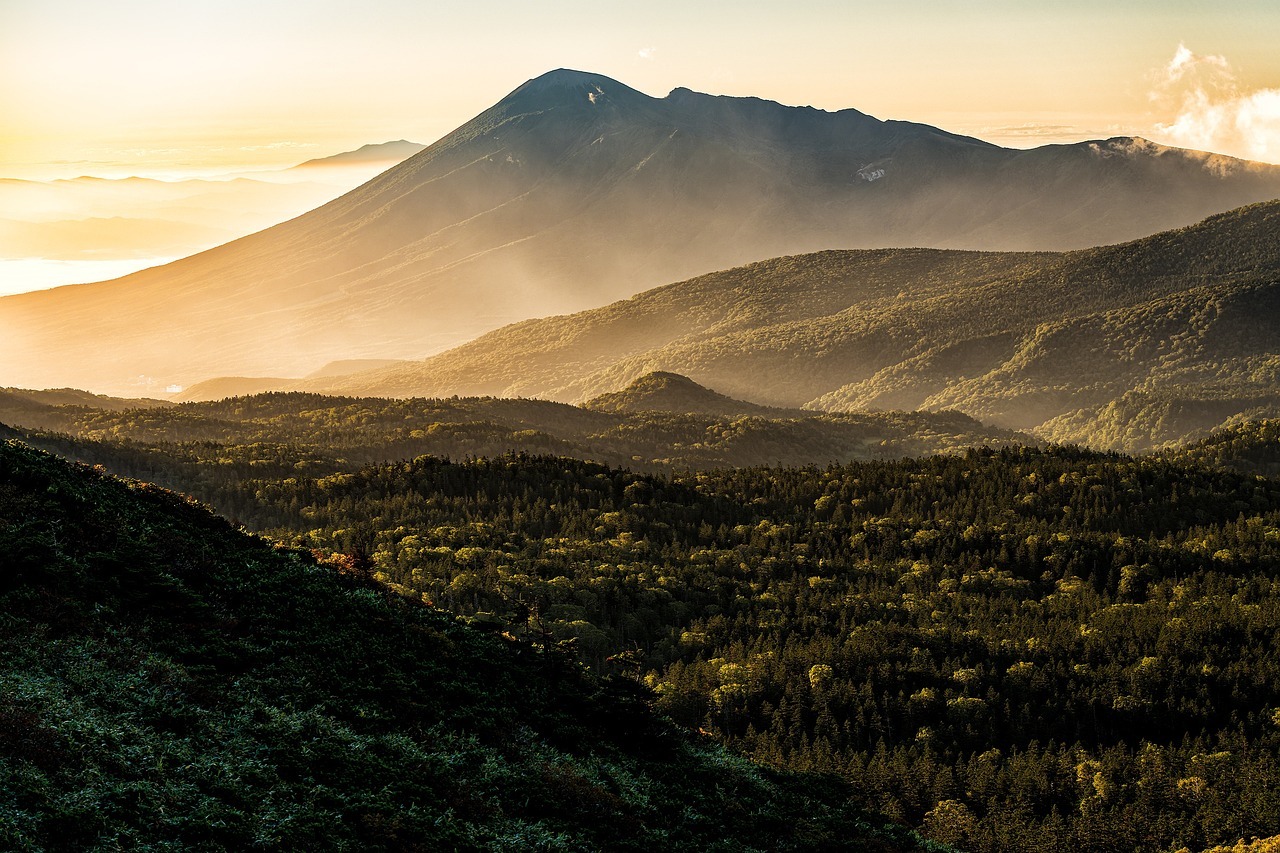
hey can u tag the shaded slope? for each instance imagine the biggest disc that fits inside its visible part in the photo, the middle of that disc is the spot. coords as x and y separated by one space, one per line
1019 339
574 190
171 682
52 409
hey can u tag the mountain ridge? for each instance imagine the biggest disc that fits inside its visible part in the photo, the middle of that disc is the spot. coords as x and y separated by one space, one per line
906 329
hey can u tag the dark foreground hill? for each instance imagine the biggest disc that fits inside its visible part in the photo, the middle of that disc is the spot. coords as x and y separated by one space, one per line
1128 346
575 190
171 683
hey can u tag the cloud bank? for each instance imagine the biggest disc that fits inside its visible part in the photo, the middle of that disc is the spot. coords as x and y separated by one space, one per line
1214 112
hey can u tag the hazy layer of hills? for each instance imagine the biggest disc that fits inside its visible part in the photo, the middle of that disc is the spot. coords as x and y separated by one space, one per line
575 190
1128 346
647 426
172 683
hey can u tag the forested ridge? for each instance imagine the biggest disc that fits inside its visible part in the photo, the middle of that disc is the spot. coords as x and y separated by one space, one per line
634 431
1010 649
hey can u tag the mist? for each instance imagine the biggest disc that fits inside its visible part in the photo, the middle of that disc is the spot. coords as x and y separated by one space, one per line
84 229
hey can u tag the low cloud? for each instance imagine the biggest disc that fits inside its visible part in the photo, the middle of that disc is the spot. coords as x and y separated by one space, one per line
279 146
1213 112
646 52
1034 131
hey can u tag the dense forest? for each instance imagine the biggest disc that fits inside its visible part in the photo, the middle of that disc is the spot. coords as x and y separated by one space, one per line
1009 648
170 683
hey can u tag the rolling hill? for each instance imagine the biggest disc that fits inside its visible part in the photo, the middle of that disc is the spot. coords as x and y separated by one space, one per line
670 392
1129 346
575 190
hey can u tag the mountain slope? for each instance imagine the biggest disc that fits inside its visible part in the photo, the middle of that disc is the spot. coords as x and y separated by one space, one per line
1018 339
575 190
172 683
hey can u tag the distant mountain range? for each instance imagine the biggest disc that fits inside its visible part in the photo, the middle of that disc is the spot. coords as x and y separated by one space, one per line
575 190
1129 346
389 153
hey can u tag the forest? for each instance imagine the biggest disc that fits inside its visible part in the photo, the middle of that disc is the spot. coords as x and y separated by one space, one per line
1008 648
170 683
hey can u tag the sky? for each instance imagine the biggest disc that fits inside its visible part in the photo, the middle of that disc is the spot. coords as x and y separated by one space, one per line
170 88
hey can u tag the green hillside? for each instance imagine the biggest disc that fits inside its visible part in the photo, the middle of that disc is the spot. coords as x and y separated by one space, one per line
169 683
1048 342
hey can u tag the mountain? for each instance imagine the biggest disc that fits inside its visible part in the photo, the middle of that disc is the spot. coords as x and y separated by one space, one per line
174 683
373 153
346 367
1181 327
222 387
575 190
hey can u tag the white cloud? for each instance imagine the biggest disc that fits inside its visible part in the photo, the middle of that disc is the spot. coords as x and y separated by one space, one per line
1213 112
646 52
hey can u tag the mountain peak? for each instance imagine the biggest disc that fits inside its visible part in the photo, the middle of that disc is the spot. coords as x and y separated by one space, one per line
565 78
567 84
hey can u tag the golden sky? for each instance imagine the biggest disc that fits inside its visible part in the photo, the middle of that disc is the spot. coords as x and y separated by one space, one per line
170 87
